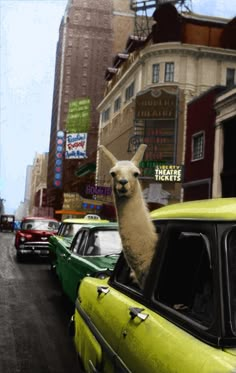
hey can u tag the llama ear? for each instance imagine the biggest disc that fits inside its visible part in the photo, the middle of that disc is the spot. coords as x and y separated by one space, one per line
139 154
108 154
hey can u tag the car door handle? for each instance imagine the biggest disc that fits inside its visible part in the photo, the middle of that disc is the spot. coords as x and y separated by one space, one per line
136 312
103 289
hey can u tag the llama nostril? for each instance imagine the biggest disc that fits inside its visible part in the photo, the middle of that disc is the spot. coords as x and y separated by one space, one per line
123 181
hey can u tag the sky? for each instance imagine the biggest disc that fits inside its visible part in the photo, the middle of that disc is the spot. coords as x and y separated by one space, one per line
29 31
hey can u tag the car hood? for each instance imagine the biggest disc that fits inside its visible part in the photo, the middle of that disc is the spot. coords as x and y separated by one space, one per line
36 234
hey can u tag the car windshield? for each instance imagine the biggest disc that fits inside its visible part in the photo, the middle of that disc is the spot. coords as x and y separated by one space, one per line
107 243
69 229
40 225
231 250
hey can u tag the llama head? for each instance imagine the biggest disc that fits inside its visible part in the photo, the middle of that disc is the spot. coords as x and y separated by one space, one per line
125 173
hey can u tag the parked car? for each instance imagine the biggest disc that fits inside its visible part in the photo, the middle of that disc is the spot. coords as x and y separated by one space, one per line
184 318
34 234
93 252
7 223
67 230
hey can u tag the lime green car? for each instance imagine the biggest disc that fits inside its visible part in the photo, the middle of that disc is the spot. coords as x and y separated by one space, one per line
184 319
67 230
94 251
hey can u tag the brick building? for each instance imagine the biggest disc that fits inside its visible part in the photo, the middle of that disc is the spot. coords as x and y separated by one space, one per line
90 35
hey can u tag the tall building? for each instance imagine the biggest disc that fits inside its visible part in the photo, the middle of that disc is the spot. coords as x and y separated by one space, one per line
38 186
90 35
28 180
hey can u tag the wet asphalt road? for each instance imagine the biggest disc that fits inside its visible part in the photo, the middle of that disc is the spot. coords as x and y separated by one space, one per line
34 316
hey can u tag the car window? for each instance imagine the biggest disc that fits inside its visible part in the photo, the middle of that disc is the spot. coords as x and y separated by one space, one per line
104 242
125 277
46 225
76 242
231 255
70 229
186 282
79 242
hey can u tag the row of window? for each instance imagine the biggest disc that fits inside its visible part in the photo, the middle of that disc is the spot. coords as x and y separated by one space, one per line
129 93
169 72
168 77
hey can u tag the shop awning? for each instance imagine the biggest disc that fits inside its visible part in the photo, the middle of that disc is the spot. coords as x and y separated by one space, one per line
70 212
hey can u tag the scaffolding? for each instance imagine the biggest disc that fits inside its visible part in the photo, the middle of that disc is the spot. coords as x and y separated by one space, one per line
144 9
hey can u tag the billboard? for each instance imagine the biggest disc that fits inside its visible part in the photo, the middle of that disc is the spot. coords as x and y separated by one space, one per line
78 117
76 145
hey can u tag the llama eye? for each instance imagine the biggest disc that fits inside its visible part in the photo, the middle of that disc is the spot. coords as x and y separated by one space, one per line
136 174
113 174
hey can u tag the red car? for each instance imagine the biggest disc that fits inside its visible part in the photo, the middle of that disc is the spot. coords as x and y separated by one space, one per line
33 236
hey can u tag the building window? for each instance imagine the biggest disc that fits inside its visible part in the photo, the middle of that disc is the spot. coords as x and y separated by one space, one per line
129 92
106 115
230 77
155 72
169 72
198 140
117 104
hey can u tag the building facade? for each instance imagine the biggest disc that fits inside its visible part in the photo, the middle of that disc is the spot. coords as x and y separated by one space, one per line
224 171
210 169
38 187
199 148
90 34
146 96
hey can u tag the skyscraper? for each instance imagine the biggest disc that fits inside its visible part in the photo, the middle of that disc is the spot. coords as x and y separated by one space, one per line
90 35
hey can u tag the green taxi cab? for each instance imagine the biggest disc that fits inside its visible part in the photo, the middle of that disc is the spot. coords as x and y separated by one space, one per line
94 251
184 318
67 230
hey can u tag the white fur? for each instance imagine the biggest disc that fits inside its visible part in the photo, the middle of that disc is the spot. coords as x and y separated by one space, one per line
138 234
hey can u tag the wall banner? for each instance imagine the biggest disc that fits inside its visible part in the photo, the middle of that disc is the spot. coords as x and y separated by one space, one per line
76 145
78 117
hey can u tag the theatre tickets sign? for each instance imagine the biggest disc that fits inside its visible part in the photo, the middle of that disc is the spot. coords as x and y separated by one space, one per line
169 173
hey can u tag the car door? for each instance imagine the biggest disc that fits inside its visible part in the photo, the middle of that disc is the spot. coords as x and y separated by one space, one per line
100 309
171 340
73 269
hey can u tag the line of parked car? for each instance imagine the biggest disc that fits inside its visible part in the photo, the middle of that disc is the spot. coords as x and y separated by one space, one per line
182 321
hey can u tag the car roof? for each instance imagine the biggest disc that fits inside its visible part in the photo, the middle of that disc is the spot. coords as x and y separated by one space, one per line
39 218
210 209
101 226
84 221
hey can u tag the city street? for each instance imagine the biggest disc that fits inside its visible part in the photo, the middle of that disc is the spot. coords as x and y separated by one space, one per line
34 316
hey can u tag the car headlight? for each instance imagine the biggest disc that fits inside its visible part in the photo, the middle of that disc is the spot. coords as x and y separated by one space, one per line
22 239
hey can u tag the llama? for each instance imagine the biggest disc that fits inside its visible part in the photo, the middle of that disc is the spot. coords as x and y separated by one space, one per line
137 231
